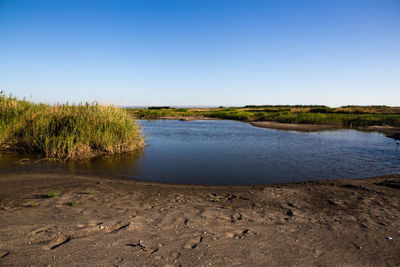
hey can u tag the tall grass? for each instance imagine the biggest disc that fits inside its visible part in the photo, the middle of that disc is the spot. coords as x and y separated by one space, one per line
154 113
230 114
67 131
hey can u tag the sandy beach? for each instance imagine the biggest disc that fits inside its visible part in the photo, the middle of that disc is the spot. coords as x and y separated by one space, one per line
99 221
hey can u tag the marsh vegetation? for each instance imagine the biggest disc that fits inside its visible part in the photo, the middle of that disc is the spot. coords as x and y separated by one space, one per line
67 132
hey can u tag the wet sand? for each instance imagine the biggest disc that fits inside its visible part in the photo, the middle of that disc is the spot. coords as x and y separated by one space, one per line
98 221
389 131
295 127
187 118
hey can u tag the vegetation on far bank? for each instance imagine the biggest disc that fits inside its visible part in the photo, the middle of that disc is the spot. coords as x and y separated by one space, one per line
348 116
67 132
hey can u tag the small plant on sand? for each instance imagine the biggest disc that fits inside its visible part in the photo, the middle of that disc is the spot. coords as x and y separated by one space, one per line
216 200
73 203
53 193
89 191
32 203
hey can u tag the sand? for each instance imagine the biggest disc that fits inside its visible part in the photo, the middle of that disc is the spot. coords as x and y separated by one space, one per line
99 221
389 131
187 118
295 126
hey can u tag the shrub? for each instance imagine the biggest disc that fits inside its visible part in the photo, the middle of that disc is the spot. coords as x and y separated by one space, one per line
53 193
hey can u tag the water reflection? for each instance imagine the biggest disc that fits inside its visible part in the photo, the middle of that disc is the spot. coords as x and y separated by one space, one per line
121 165
117 166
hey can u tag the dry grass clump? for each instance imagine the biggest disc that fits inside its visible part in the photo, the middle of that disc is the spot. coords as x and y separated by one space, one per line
67 132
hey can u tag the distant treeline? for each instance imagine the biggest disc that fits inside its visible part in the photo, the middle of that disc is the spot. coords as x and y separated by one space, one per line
159 107
284 106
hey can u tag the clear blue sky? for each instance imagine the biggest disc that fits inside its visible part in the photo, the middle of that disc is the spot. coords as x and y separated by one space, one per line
216 52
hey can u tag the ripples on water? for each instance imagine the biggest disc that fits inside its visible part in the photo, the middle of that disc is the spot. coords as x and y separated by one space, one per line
231 152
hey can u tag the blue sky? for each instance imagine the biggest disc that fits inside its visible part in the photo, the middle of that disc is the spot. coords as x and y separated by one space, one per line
216 52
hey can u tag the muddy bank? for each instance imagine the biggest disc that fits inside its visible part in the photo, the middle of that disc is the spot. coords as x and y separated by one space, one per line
186 118
294 126
96 221
389 131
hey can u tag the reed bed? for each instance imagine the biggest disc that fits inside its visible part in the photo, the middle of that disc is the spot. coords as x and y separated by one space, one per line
67 132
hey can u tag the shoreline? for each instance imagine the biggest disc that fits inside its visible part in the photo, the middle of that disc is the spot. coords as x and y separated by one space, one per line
295 127
388 131
187 118
113 221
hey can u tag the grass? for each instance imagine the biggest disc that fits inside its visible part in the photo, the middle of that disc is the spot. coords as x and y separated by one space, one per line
53 193
346 120
89 191
67 132
32 203
154 113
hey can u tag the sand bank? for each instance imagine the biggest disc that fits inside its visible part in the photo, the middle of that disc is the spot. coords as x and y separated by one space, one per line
97 221
389 131
295 126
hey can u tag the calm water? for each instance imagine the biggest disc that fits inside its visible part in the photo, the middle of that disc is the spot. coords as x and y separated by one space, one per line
230 152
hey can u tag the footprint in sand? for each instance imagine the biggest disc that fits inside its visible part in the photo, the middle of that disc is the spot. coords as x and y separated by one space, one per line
239 234
236 217
39 230
4 253
56 243
120 227
193 242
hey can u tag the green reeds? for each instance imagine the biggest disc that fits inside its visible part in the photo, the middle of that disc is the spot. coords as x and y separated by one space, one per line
67 131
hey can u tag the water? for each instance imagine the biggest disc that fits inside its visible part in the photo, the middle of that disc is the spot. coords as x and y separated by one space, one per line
231 152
